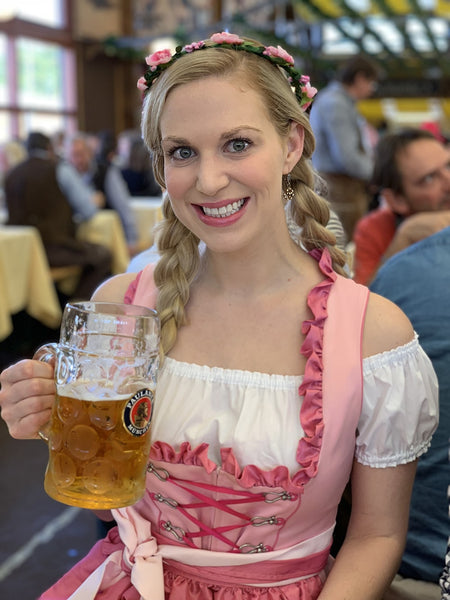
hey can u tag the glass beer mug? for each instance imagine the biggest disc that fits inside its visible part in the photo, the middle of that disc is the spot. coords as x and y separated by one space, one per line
99 432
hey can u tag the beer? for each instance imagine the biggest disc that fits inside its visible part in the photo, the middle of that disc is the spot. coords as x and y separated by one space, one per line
98 447
105 370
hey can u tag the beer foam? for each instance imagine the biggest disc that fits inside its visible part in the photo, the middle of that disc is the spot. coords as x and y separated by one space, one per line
92 392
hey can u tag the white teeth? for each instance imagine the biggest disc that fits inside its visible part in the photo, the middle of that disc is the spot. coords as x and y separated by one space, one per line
223 211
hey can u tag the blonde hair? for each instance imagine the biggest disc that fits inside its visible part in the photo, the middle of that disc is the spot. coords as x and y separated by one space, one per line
177 245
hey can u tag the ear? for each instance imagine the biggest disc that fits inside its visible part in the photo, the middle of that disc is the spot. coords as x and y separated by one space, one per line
395 201
294 146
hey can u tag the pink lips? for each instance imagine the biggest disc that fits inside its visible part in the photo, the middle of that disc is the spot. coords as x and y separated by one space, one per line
220 221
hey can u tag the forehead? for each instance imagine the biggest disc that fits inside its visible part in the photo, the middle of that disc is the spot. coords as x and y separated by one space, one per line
422 157
213 102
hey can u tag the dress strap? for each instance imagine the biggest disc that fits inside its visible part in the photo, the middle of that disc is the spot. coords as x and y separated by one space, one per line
142 290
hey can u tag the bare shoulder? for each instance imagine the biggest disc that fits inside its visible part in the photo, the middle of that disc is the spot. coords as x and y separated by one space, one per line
113 289
386 326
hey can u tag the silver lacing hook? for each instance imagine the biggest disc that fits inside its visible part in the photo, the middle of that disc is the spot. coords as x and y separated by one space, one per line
161 473
177 532
270 497
170 501
273 520
252 549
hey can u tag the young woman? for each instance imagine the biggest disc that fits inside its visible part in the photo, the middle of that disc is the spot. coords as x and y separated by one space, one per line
281 378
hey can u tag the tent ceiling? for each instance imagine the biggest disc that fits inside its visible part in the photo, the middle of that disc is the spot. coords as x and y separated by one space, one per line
409 38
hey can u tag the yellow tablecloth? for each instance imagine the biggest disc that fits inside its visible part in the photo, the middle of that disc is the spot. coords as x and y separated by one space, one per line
105 227
147 211
25 280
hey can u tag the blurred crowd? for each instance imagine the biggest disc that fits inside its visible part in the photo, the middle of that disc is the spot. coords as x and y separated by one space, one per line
57 183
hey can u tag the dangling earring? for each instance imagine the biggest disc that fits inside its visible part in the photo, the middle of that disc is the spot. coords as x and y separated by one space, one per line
288 190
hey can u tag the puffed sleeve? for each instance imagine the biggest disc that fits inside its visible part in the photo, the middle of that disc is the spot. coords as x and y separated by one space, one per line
400 408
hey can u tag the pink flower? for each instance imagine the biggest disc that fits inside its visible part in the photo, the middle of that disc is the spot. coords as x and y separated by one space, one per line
278 52
309 90
305 79
159 58
142 84
226 38
194 46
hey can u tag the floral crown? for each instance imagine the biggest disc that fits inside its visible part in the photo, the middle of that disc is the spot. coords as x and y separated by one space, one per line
162 59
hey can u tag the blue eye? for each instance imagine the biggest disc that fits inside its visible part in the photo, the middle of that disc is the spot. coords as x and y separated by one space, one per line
238 145
181 153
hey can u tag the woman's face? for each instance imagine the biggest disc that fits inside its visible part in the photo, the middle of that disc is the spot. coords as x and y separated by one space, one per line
224 161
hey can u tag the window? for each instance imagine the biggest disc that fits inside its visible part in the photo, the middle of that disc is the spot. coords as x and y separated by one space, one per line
40 74
37 69
44 12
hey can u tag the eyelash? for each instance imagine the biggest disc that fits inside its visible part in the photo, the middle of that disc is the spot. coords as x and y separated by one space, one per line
171 152
246 141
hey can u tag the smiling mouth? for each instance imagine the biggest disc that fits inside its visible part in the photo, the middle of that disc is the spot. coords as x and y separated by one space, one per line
224 211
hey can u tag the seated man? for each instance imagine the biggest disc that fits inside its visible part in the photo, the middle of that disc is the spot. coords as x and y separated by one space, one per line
412 175
418 281
34 196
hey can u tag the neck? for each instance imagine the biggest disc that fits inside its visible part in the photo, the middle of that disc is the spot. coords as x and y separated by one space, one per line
259 269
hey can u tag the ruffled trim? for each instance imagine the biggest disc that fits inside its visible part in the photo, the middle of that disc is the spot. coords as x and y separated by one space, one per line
186 455
311 413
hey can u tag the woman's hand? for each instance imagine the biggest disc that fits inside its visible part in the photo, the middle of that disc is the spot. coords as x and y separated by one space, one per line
26 397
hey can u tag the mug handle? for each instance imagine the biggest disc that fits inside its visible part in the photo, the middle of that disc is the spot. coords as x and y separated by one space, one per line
48 354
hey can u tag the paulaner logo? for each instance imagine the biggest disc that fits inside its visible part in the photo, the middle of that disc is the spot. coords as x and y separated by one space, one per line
138 413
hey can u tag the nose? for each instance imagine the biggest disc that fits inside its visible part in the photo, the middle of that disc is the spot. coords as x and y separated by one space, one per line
211 176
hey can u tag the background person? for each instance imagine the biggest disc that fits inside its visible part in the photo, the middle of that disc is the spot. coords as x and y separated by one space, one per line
249 514
343 155
418 281
79 153
134 162
34 196
107 178
412 176
95 164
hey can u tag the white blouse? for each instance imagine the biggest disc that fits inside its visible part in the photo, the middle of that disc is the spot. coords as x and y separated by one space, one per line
257 414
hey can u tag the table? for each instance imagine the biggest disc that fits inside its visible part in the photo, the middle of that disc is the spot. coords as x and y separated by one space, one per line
105 228
25 280
147 210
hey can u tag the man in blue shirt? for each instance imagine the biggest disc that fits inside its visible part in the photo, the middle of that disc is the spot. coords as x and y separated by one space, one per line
418 280
342 156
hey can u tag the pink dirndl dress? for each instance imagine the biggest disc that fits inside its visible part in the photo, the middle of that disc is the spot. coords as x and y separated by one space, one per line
218 529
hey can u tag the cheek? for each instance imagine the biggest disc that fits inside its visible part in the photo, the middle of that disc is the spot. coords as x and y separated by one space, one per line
177 181
263 171
426 200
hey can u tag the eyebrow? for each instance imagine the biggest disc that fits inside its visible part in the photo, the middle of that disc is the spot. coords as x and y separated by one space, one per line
225 135
237 130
